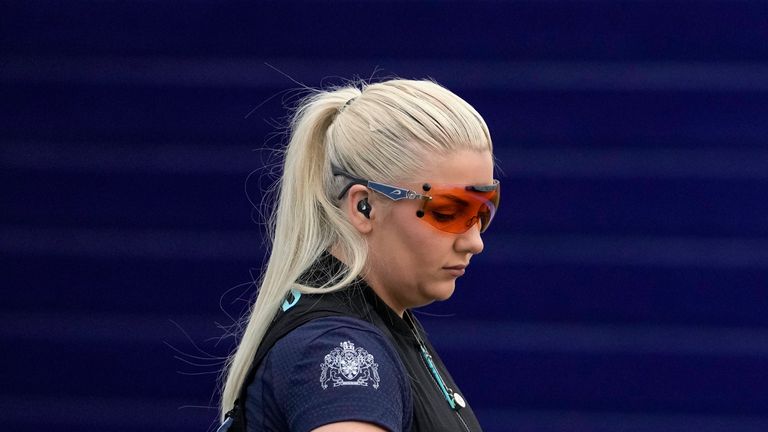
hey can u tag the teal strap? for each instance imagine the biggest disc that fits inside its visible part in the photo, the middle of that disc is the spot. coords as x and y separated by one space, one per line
225 426
438 378
296 296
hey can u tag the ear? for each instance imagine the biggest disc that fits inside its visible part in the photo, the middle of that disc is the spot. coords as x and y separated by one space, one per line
349 205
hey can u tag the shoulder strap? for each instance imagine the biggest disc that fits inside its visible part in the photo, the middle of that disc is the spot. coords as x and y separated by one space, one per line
296 312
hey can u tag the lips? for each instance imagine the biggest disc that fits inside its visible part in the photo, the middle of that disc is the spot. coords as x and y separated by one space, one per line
456 270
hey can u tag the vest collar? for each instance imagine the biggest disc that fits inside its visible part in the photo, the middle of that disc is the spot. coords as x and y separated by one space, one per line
358 292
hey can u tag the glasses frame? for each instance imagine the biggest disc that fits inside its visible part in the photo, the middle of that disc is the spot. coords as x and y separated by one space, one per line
392 192
397 193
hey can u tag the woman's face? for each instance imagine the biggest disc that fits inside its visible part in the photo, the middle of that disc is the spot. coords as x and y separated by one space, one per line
409 258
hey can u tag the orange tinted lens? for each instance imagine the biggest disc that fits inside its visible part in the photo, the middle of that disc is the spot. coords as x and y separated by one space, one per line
456 209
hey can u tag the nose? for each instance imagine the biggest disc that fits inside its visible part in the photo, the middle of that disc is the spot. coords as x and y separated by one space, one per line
470 241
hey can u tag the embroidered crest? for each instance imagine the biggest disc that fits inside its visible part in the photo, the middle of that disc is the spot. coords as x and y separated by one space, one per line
347 365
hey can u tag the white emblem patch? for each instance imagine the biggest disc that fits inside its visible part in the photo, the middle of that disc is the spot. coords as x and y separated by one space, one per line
346 365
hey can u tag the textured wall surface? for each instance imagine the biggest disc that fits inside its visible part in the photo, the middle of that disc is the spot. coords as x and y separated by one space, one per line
623 286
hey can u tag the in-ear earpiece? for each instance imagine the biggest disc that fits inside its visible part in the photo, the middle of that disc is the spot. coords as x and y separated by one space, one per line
364 208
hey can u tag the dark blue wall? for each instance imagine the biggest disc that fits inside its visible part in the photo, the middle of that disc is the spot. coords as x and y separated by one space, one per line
623 286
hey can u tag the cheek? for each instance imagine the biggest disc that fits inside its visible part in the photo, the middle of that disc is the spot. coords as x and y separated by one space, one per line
412 245
422 243
408 237
412 229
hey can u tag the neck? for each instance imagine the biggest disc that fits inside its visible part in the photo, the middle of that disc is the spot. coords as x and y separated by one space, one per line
387 299
375 286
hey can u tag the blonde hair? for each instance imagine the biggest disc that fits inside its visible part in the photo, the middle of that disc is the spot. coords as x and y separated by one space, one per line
384 132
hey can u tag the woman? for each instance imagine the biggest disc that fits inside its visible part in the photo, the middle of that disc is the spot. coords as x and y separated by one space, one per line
384 194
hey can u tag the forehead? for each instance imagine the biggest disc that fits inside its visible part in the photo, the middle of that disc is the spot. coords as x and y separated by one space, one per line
460 168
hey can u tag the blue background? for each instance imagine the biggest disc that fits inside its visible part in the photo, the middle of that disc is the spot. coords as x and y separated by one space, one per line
623 287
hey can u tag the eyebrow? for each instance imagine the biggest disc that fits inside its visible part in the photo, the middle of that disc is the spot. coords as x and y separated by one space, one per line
455 198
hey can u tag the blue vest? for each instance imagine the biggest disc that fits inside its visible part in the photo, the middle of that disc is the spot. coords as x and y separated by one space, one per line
431 410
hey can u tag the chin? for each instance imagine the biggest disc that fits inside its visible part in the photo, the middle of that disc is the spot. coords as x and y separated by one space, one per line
442 291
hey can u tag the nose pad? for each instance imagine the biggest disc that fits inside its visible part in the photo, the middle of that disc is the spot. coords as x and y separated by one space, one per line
472 221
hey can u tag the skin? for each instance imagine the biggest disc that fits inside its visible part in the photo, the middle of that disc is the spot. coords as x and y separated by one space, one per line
397 239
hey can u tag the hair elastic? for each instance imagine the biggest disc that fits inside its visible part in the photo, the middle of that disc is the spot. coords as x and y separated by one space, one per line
343 107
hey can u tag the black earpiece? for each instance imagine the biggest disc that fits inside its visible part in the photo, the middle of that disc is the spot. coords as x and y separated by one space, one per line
364 208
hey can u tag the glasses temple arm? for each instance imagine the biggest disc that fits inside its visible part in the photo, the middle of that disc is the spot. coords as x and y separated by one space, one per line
392 192
355 181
